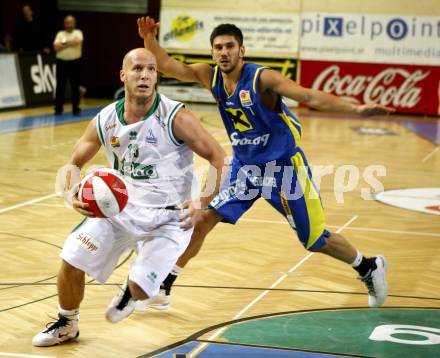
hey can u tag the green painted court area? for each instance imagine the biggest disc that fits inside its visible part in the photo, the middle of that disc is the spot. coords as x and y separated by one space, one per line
390 332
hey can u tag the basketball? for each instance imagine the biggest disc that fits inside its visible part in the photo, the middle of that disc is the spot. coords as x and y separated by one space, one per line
105 192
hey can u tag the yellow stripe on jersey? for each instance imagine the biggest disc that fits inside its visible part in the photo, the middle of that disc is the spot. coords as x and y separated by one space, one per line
214 78
254 86
295 132
287 210
226 91
315 212
294 120
285 203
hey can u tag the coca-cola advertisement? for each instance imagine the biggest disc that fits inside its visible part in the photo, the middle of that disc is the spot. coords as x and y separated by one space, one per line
407 88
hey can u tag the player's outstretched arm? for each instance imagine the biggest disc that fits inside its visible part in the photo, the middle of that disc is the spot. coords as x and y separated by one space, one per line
87 146
271 80
200 72
188 128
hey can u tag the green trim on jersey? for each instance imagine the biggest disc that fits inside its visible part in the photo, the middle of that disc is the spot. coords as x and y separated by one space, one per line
78 226
115 162
170 125
120 109
153 107
98 125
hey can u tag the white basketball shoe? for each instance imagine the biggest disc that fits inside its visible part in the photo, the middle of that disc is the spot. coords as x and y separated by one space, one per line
63 330
160 302
121 306
376 283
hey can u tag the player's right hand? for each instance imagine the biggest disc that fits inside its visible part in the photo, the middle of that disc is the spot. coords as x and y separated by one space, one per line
147 27
81 207
372 109
192 214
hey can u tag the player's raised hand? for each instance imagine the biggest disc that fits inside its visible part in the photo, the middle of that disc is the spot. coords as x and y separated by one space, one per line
147 27
367 110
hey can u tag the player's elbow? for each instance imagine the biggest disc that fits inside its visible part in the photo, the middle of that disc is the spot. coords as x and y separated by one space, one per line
218 158
163 66
309 98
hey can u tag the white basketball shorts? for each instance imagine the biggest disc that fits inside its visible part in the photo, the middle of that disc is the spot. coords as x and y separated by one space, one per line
96 245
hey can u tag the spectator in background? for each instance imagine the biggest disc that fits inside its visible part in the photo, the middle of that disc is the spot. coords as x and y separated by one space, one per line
29 35
6 46
68 47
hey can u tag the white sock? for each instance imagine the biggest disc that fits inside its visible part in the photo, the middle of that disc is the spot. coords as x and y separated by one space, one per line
176 270
357 261
70 314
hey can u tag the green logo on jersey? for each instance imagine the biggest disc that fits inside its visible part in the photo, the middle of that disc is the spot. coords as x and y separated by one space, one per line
130 167
139 171
133 135
152 276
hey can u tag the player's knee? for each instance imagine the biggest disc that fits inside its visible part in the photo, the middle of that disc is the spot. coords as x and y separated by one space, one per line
198 237
199 233
319 244
70 270
210 219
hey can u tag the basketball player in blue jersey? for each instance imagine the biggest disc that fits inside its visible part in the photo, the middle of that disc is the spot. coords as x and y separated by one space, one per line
264 134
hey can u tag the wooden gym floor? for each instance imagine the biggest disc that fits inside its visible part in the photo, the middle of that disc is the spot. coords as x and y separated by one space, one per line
256 267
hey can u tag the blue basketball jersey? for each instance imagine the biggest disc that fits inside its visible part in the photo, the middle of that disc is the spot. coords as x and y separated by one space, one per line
258 134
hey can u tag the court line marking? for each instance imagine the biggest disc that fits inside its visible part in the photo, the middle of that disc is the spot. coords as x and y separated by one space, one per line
430 154
42 198
204 345
23 355
51 205
354 228
26 203
44 121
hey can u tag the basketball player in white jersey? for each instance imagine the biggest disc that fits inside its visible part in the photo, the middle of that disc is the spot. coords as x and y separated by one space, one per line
150 140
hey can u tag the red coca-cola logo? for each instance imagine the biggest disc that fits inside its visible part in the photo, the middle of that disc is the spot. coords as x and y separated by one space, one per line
391 86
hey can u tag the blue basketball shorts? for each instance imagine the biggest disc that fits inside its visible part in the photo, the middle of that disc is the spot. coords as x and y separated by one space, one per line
286 184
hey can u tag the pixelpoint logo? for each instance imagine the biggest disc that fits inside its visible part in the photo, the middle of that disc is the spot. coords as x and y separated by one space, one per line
397 29
333 26
371 26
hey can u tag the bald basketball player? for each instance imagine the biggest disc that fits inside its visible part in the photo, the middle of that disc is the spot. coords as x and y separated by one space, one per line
150 139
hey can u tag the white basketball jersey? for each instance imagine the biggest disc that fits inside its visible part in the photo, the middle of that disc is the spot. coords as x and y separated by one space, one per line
158 168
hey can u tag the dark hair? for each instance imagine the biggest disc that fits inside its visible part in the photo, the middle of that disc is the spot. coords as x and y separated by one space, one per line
227 29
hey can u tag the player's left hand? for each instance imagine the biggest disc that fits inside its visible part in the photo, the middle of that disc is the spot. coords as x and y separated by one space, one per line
147 27
367 110
192 215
